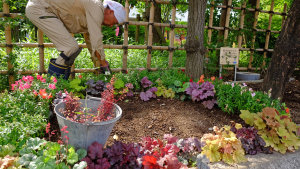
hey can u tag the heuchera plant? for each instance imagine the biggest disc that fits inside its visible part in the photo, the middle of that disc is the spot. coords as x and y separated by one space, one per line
251 141
223 146
158 155
278 131
95 88
118 155
203 92
145 96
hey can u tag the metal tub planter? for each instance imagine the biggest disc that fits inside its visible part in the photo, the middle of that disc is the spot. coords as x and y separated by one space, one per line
82 135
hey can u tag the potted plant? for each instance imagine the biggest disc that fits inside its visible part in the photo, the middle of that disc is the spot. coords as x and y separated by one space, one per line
91 119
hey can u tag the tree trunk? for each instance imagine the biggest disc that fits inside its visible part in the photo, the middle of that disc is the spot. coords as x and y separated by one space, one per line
286 54
157 18
194 46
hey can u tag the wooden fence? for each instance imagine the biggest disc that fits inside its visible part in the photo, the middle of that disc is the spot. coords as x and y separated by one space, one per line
151 24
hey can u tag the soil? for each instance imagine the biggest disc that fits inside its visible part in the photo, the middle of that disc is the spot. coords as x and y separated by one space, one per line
182 119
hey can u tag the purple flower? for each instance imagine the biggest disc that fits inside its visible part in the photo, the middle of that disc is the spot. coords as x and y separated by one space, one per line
252 94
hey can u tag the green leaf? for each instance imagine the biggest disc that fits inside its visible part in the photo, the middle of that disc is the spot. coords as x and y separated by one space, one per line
54 148
62 166
81 165
182 97
160 91
186 85
119 84
7 150
282 132
42 163
81 153
177 83
26 159
239 156
25 151
75 82
72 158
259 122
35 143
248 117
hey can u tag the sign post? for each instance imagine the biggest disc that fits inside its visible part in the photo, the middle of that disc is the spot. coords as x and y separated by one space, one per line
229 56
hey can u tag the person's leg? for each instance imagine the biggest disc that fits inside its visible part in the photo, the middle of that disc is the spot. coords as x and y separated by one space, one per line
55 30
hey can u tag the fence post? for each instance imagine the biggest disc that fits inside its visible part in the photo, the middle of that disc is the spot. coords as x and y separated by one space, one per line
151 26
137 29
125 47
227 21
172 36
146 27
268 32
240 39
210 23
41 51
9 46
72 74
283 16
254 34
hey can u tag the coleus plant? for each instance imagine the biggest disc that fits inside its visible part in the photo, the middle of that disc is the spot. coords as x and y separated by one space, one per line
204 92
278 131
223 145
251 141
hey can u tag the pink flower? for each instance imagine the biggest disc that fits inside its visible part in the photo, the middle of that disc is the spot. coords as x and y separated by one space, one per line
232 84
59 142
117 31
244 84
43 80
21 87
252 94
35 93
66 137
25 78
52 86
54 80
13 86
30 78
221 77
39 77
27 86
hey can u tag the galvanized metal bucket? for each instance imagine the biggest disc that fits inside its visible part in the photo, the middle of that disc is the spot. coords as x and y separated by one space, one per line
82 135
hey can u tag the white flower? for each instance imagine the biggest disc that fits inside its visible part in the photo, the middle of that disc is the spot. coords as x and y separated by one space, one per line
250 89
244 84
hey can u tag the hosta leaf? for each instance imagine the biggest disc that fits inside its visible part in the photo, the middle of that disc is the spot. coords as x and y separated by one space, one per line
26 159
35 143
7 150
239 156
42 163
81 153
248 117
81 165
260 124
227 158
62 166
280 147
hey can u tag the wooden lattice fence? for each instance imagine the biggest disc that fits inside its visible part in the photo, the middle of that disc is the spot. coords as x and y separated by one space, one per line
151 24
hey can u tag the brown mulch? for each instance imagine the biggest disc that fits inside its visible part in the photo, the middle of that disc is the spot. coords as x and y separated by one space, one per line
183 119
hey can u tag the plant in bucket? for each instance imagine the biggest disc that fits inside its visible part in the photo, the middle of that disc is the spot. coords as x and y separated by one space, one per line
91 119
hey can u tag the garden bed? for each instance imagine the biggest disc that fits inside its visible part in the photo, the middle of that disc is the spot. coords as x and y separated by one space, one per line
182 119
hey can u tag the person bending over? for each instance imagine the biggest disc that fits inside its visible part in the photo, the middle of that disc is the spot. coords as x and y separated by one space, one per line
58 18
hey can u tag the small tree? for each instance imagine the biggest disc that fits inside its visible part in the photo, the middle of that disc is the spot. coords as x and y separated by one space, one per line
194 46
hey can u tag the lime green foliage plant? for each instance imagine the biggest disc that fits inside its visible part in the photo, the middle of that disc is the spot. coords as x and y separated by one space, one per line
233 97
163 91
278 131
8 158
223 145
76 87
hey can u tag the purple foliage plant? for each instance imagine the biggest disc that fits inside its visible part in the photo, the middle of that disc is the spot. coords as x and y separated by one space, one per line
145 96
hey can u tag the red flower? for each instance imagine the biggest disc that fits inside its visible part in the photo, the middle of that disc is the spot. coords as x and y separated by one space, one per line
183 82
126 71
48 128
287 110
80 76
59 142
191 80
183 70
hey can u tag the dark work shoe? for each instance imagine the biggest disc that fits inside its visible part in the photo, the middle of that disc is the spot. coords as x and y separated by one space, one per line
58 70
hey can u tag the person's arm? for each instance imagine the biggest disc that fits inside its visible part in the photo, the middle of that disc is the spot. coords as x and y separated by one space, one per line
95 15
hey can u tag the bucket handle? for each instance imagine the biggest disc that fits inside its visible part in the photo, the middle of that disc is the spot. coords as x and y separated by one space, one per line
93 98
